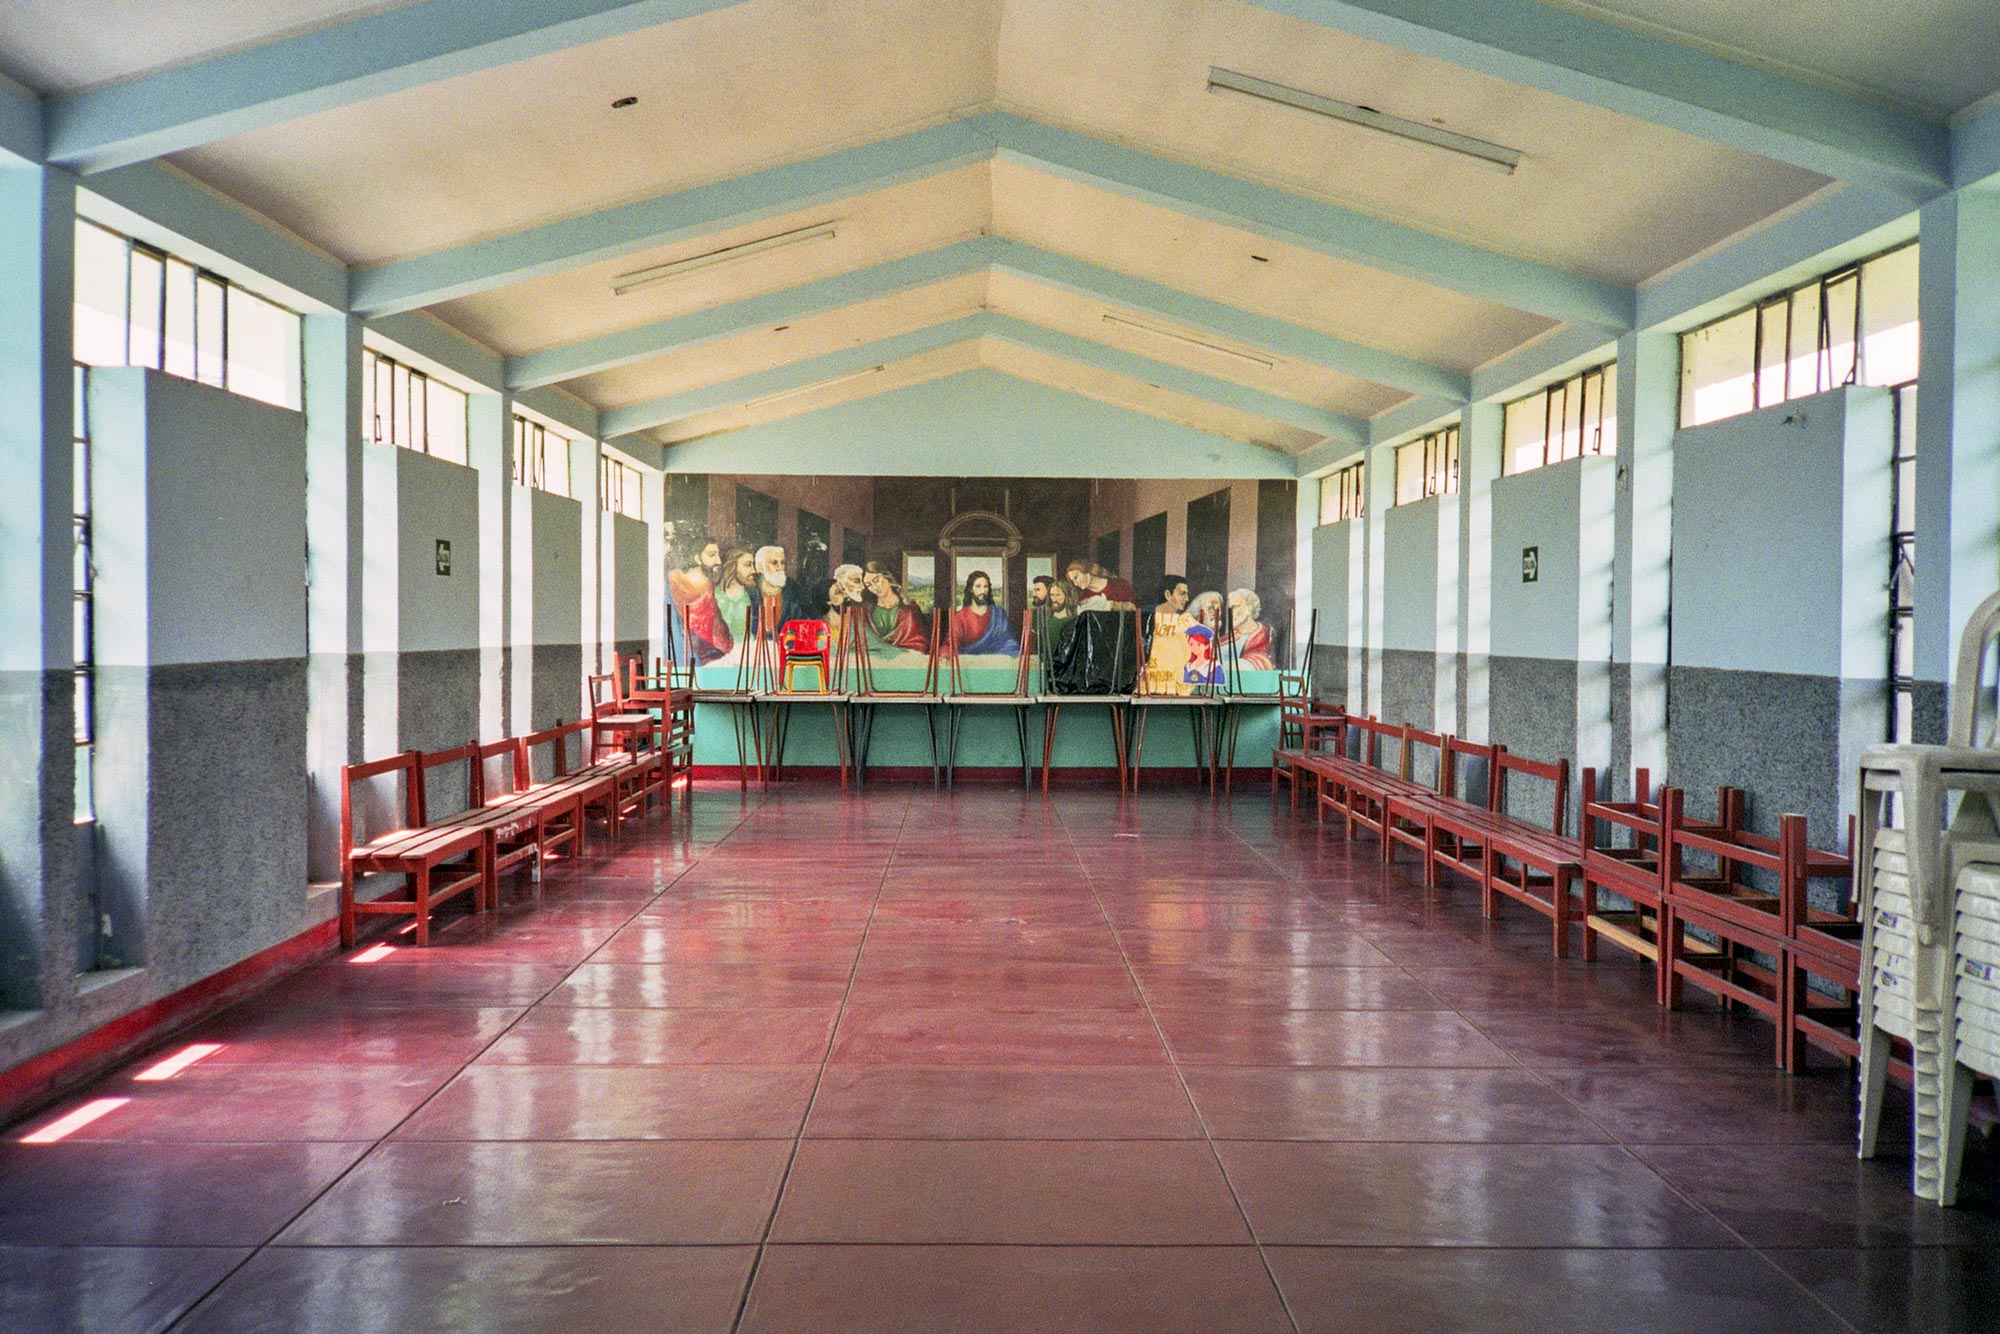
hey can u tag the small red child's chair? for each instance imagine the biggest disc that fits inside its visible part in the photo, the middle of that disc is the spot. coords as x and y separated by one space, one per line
802 644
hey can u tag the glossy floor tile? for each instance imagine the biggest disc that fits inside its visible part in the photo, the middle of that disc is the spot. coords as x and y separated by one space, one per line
907 1060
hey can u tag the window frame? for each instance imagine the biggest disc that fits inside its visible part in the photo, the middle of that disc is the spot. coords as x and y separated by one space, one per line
1592 436
1348 485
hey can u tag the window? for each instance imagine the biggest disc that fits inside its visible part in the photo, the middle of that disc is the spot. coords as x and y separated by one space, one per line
408 409
83 606
1427 467
1340 496
619 481
1854 325
136 305
541 457
1903 567
1567 420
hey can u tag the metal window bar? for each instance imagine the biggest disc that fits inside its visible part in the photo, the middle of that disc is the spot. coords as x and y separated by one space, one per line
399 398
1823 367
156 283
1901 722
531 456
83 603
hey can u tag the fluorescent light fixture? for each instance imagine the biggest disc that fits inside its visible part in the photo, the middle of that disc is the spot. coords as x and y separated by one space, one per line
815 387
1498 156
627 282
1174 335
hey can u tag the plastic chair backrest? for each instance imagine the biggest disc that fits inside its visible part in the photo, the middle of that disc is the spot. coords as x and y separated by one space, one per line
802 638
1975 697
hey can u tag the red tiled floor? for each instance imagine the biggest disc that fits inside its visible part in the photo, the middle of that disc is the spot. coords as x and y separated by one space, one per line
981 1060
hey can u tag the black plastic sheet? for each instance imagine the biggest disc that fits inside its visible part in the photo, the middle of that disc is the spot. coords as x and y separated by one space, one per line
1098 656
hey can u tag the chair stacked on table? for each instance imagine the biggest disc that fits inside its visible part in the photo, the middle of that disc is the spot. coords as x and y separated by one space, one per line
1707 901
510 817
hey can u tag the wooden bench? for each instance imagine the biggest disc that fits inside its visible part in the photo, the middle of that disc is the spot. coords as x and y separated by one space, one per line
1825 944
557 811
1405 808
1303 726
1455 835
1706 887
596 787
439 862
1351 781
1532 863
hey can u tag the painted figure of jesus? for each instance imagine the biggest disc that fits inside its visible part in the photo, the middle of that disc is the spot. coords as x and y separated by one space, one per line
979 626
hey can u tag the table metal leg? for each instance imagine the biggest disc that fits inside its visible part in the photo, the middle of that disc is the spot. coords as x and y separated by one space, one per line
1049 743
1118 742
1138 734
1021 731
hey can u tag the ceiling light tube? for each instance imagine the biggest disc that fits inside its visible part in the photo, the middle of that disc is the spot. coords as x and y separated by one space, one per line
1124 322
1497 156
783 394
626 282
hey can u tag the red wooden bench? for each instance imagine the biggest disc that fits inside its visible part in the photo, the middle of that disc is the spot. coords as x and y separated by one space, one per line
439 863
1825 944
1352 781
1405 808
1305 725
1532 863
1457 842
506 781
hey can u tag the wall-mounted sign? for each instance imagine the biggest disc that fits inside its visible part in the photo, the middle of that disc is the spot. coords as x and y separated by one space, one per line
444 557
1531 564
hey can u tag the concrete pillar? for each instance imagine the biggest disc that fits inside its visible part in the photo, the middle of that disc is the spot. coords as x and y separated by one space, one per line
490 449
653 508
39 881
1648 414
1380 483
1479 460
335 589
1958 433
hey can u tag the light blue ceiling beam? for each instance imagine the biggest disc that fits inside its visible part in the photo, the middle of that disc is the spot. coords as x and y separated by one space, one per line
20 122
165 208
1847 225
1162 375
1311 224
1411 417
1216 319
574 360
1323 458
1654 80
1975 149
1562 353
349 62
629 228
782 379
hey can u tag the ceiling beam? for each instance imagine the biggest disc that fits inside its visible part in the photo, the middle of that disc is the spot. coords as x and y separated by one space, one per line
607 351
1655 80
20 122
1218 319
1257 209
1311 224
782 379
482 266
1175 379
363 58
1975 149
1214 318
1561 354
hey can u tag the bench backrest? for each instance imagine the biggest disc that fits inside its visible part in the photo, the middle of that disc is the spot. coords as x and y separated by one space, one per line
1422 760
404 765
465 757
1507 766
555 741
1469 772
605 696
1599 816
1364 737
503 766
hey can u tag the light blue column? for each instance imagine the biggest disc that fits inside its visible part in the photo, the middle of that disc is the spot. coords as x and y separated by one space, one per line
335 589
1380 480
1479 460
1648 414
1958 426
490 449
39 871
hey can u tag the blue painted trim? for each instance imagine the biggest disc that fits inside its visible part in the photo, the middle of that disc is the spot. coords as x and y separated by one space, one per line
1975 149
1410 418
212 232
438 342
333 67
1825 234
516 258
1655 80
1322 459
562 407
1313 225
1562 353
1217 319
779 379
20 123
628 345
1164 375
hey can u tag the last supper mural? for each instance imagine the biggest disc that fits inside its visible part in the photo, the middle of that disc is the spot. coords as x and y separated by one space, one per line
908 573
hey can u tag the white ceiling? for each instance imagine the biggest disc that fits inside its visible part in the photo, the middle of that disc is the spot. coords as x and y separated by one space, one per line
1920 56
745 87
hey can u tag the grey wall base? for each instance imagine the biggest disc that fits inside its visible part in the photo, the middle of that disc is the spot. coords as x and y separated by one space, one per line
1409 688
558 685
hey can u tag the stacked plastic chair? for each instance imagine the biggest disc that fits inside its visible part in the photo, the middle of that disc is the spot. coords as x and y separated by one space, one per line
1929 895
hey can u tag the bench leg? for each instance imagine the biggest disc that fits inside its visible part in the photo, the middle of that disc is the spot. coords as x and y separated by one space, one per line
1559 908
1588 911
420 891
347 907
1671 943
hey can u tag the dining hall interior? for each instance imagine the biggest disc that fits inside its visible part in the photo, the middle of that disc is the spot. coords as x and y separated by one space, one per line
999 665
